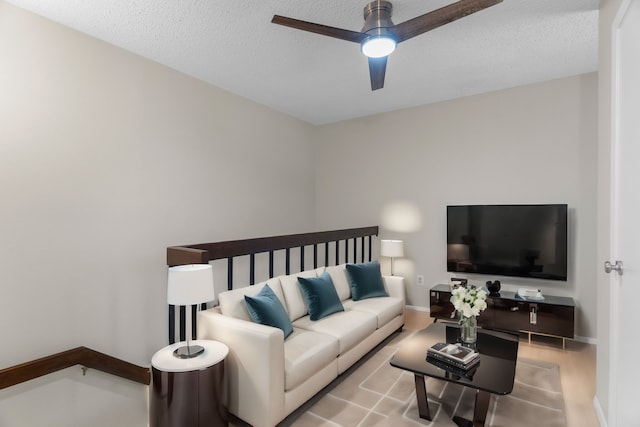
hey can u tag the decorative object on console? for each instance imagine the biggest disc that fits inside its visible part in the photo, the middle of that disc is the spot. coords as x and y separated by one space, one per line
392 249
530 294
469 302
493 287
190 284
454 282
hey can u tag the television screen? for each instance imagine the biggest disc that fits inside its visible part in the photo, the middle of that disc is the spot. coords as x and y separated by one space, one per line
508 240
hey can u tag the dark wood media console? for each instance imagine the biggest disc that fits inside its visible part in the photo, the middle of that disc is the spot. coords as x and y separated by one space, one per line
554 316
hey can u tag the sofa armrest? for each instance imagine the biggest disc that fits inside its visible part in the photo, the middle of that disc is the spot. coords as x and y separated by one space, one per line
254 367
395 286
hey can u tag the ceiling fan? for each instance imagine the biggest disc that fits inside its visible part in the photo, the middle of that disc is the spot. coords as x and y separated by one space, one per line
379 36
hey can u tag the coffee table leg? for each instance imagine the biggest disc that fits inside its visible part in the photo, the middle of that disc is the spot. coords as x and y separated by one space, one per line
479 412
421 396
481 409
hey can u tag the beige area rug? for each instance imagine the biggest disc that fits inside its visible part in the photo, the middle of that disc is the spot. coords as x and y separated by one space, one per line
376 394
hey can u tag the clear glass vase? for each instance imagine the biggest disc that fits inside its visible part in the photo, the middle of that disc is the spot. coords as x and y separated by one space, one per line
468 329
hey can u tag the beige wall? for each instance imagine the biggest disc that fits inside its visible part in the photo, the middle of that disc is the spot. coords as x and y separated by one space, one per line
105 160
530 144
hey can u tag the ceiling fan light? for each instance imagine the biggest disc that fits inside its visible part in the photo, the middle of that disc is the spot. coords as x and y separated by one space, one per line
378 46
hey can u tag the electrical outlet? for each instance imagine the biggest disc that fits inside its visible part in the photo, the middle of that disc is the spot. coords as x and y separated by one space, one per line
420 280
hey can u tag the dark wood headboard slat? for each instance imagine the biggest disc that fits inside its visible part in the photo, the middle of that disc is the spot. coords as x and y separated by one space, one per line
252 269
230 273
326 251
315 256
287 268
271 270
346 250
183 322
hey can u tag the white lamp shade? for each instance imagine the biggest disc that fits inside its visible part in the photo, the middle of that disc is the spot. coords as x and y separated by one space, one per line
391 248
190 284
378 46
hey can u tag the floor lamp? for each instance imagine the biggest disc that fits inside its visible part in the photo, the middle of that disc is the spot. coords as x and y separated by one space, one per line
392 249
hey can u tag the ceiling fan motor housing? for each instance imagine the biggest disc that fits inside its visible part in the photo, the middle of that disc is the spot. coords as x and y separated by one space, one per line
377 17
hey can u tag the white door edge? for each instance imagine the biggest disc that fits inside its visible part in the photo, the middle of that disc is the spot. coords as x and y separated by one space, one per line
614 279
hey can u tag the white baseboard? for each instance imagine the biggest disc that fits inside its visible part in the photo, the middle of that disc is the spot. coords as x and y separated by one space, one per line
587 340
596 405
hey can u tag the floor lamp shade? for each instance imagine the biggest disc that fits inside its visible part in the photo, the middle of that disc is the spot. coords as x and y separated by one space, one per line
190 285
391 248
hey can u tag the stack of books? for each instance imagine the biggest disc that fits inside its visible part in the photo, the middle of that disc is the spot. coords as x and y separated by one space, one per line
456 372
453 355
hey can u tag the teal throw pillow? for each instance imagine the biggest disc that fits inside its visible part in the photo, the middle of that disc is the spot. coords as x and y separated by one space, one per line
366 281
266 308
320 296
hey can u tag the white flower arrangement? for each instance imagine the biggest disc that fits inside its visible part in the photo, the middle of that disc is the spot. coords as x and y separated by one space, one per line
469 301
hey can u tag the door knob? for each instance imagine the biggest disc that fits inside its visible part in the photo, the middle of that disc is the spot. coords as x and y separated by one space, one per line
608 267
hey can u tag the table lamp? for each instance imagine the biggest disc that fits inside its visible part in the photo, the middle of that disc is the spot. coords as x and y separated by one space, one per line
392 249
190 285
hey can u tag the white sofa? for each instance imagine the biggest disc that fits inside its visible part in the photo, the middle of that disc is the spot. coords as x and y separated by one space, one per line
269 377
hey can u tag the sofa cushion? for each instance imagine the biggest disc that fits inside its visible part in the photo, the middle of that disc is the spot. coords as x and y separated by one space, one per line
266 308
384 308
305 353
348 327
340 280
292 294
232 303
320 296
366 281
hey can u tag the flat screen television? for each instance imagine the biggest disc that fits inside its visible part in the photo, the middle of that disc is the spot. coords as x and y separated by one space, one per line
508 240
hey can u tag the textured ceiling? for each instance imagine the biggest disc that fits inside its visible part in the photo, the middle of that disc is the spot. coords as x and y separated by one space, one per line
232 44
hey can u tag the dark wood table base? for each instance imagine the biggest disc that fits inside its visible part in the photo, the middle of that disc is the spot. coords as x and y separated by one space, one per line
421 396
494 374
479 412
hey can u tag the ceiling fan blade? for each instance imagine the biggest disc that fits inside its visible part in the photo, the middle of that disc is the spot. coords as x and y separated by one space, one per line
338 33
436 18
377 70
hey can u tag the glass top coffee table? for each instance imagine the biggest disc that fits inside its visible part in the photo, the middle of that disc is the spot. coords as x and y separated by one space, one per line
494 374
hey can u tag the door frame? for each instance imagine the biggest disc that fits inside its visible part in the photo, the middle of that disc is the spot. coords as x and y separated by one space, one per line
614 279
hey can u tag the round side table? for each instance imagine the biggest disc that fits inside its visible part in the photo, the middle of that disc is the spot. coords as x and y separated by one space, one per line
188 392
